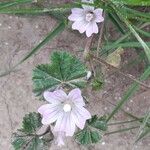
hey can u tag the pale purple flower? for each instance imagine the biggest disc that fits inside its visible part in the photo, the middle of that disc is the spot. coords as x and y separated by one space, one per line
66 110
86 19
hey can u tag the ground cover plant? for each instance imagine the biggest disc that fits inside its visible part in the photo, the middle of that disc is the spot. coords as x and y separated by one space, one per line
61 82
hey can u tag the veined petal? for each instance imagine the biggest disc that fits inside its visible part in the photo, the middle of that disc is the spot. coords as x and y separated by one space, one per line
70 125
76 17
77 14
51 115
65 123
80 26
76 97
60 123
78 119
98 15
91 28
55 97
43 108
83 112
77 10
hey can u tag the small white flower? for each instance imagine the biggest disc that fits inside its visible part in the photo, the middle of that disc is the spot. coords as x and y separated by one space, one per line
86 19
66 110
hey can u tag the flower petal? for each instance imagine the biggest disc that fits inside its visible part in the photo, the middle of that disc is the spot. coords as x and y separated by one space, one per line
83 112
43 108
55 97
78 119
77 10
77 14
76 97
80 26
98 15
65 123
70 125
51 115
59 126
91 28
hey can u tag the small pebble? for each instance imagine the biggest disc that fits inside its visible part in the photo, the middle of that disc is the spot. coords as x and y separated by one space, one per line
105 108
131 101
9 27
36 26
6 43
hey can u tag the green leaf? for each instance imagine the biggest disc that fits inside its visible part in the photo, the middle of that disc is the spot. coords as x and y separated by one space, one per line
27 139
31 122
97 83
18 142
93 131
98 123
64 70
88 136
133 2
28 143
36 144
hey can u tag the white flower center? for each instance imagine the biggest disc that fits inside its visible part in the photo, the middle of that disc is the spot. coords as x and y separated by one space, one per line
89 16
67 107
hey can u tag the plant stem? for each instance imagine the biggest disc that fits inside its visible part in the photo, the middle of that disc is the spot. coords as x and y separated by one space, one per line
123 122
121 130
101 61
100 36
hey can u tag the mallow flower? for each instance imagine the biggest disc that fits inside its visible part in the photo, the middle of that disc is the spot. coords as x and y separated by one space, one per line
66 111
85 19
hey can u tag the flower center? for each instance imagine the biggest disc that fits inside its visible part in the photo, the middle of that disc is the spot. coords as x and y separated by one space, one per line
89 16
67 107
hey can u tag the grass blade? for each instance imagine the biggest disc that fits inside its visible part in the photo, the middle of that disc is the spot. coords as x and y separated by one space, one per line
144 129
49 37
116 22
13 3
144 45
123 45
133 88
121 130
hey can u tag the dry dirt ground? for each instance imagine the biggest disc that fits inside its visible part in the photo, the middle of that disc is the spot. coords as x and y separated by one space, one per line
17 36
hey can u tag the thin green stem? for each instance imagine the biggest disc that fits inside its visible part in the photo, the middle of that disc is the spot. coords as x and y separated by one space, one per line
121 130
123 122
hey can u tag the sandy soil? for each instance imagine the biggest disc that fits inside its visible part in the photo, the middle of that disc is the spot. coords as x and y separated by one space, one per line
17 36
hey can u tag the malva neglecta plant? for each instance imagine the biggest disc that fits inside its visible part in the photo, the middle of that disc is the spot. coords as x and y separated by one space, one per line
61 82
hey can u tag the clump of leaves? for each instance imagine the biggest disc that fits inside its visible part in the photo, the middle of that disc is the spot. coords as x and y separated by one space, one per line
93 131
64 70
26 137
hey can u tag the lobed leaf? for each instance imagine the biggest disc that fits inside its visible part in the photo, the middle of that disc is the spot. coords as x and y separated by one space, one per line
31 122
92 133
26 138
64 70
